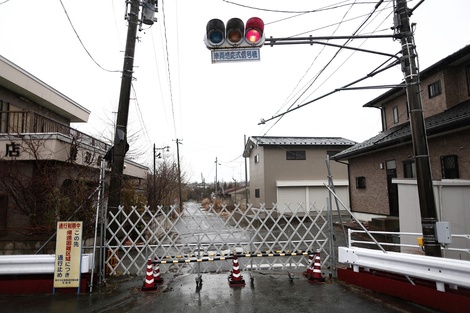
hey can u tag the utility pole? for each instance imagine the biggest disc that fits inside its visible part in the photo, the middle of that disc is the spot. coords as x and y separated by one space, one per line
418 131
216 176
179 174
152 197
154 188
246 175
120 136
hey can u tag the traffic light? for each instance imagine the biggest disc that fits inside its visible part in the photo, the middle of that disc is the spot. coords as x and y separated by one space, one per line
234 34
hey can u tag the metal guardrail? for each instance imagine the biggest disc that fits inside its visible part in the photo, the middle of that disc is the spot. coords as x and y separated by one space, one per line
36 264
442 271
399 235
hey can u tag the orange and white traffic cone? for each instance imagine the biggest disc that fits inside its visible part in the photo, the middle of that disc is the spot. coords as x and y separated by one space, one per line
149 283
235 278
316 274
158 280
308 273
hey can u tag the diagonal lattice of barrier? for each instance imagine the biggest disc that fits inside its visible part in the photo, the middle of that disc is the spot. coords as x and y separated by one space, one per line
135 235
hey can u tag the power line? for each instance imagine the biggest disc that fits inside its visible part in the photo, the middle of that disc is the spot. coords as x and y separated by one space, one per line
326 8
139 115
326 66
159 79
316 76
80 40
168 68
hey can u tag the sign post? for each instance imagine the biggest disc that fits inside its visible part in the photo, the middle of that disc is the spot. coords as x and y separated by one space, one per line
67 266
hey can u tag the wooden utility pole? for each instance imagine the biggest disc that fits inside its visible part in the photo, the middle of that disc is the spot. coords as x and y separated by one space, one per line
418 131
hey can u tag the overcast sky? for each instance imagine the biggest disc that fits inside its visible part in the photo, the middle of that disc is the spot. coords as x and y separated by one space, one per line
178 93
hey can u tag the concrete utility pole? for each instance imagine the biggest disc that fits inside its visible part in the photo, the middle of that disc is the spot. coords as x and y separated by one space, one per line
178 141
120 137
418 131
216 183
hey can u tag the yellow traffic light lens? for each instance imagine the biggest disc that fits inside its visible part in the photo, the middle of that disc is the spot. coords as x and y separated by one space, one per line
253 35
234 36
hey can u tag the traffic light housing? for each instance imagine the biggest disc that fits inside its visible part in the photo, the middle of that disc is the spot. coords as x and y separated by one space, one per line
234 34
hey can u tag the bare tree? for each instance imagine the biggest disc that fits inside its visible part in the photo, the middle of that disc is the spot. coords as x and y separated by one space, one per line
163 187
46 190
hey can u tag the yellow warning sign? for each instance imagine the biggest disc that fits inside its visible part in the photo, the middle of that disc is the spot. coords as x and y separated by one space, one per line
68 255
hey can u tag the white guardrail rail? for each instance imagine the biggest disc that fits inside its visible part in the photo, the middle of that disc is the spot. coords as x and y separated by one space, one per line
452 272
36 264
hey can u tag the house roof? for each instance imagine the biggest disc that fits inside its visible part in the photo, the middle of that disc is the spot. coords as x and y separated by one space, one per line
16 79
455 58
295 141
452 119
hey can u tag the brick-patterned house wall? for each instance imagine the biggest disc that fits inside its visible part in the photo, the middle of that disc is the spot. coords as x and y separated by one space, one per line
400 103
374 198
459 144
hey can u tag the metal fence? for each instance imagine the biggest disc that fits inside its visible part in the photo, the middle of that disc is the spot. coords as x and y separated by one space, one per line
135 235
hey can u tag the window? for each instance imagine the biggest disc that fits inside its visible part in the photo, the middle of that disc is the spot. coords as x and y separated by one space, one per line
3 211
395 115
390 165
360 182
467 69
257 193
295 155
409 169
4 106
434 89
257 158
450 167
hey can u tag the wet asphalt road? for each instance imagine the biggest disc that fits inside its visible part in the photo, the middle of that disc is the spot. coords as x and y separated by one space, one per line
270 292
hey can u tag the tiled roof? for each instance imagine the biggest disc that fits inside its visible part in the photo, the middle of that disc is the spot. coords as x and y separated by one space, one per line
450 119
299 141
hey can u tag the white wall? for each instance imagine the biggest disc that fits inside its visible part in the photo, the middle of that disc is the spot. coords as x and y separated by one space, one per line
303 194
452 198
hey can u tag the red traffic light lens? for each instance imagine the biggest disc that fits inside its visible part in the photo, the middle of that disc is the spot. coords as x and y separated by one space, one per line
253 35
254 30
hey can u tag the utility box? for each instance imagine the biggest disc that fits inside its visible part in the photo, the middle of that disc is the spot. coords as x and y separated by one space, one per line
443 233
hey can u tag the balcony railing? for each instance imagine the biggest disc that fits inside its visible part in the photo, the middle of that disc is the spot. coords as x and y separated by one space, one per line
20 122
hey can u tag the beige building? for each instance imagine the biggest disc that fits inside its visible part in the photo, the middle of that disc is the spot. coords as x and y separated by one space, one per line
292 171
35 138
382 169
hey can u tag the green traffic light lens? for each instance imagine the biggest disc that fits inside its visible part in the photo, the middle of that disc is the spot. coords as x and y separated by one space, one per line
216 36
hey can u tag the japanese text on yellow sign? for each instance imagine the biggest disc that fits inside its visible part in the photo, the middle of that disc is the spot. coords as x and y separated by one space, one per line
68 255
